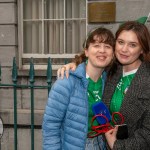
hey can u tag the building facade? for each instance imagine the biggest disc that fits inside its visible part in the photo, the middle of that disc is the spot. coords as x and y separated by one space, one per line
44 29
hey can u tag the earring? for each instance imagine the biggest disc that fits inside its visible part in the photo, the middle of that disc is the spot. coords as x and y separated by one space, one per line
86 62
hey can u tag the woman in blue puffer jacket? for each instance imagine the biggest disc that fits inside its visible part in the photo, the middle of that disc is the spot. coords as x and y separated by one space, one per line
68 112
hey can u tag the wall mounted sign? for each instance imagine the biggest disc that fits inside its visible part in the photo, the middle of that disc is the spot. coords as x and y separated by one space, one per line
101 12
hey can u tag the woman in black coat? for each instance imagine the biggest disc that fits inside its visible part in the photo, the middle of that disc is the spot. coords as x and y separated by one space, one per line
132 51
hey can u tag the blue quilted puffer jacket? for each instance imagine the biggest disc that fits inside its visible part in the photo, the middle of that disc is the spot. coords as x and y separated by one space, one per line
65 122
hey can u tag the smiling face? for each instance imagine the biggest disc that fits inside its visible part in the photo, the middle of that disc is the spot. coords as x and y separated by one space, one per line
99 54
128 50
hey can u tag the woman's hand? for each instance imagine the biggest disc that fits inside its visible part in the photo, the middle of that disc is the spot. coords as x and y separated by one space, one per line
111 136
67 67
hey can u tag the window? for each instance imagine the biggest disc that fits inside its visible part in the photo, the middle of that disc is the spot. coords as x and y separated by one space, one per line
50 28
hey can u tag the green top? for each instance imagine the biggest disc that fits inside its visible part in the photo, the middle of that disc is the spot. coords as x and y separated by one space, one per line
94 95
121 90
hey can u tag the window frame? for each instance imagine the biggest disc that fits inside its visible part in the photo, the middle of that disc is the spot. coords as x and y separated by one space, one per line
22 55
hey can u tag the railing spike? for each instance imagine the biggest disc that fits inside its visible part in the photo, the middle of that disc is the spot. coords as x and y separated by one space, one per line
31 71
49 74
49 70
14 71
66 61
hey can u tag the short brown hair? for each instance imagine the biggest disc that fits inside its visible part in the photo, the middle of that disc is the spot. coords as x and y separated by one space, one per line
104 36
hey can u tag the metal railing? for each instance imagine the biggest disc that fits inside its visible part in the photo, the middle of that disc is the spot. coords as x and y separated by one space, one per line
31 86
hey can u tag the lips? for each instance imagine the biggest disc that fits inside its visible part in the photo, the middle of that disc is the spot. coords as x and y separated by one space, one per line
123 56
101 57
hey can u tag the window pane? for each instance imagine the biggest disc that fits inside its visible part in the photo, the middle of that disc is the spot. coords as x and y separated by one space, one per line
54 37
75 35
76 26
75 8
32 38
32 9
54 9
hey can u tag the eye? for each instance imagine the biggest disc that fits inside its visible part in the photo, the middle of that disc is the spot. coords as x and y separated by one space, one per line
132 45
120 42
108 46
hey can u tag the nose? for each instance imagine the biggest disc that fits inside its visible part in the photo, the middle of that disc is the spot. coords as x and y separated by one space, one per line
101 49
124 48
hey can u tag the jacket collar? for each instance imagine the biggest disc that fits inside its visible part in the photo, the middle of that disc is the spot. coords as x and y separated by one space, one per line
80 72
134 89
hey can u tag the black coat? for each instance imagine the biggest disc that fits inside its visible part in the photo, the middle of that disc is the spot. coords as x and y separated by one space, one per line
135 108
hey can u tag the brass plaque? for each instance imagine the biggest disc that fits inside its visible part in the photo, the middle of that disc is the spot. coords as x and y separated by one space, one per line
101 12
